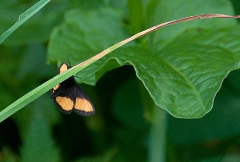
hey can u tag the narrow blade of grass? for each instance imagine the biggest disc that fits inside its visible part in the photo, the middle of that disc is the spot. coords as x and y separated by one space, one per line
24 17
37 92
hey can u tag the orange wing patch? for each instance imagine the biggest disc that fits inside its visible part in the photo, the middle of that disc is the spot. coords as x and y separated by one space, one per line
82 104
63 68
65 103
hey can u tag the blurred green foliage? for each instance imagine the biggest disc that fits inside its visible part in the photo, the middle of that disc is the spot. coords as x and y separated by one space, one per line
128 126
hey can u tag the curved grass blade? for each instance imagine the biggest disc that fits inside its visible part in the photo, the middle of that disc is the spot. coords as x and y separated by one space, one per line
24 17
37 92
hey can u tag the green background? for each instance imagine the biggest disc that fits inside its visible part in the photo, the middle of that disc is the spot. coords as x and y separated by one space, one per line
180 70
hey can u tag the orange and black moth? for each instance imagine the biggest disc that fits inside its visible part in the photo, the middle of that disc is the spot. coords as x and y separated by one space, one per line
70 97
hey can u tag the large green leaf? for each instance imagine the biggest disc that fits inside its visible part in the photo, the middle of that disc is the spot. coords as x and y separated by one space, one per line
162 11
182 78
184 81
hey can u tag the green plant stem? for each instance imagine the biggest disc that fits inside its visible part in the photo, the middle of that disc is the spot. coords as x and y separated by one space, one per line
135 8
157 140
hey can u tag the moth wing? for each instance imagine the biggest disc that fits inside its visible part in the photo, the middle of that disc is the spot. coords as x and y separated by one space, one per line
82 105
64 98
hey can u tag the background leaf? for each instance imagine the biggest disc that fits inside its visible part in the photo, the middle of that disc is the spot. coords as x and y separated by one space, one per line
38 144
80 46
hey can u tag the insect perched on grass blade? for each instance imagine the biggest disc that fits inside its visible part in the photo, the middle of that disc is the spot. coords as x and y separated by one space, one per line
69 96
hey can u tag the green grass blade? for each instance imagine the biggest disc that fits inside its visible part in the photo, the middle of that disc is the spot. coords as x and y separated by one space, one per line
37 92
24 17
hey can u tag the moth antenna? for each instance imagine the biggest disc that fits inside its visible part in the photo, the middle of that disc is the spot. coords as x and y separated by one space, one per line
71 66
69 62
